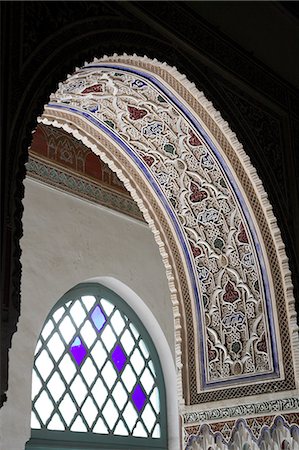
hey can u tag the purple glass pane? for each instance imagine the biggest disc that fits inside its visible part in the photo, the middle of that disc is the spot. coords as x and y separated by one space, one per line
138 397
119 358
78 350
98 318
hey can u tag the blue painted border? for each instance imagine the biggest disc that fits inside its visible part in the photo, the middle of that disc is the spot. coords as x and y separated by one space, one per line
177 225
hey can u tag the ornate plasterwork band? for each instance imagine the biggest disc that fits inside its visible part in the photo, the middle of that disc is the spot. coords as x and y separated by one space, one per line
210 216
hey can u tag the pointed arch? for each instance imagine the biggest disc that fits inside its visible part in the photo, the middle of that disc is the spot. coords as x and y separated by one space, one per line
225 262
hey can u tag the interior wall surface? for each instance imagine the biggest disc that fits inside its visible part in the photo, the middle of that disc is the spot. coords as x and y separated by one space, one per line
68 240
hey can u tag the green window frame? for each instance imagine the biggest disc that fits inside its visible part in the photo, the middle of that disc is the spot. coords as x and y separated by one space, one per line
97 379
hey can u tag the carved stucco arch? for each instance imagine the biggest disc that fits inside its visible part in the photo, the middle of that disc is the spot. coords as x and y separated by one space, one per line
78 107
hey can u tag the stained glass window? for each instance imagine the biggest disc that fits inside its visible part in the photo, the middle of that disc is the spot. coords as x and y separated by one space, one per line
96 370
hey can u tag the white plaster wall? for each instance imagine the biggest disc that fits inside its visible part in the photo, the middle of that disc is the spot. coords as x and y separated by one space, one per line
66 241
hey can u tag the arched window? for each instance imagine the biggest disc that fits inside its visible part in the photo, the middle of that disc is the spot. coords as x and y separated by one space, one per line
96 376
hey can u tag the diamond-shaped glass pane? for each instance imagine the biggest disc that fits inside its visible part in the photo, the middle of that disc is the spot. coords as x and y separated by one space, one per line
119 358
120 395
143 348
140 431
120 429
78 350
67 329
56 423
36 384
34 422
99 354
117 322
77 312
108 338
107 306
157 431
78 389
147 380
89 411
98 318
44 364
67 409
88 371
130 416
88 334
127 341
88 301
58 314
109 374
100 427
44 407
56 346
56 386
67 368
155 400
99 393
148 417
137 361
134 331
128 378
48 328
110 413
138 397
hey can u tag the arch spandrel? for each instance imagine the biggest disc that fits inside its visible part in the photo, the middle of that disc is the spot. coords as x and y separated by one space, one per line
208 211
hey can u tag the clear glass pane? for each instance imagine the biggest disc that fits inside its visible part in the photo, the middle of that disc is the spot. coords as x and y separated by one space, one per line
88 371
89 411
127 341
38 346
155 400
56 423
58 314
149 417
147 380
48 328
44 364
109 374
79 390
56 346
143 348
108 337
120 395
137 361
157 431
99 354
78 425
130 416
134 331
88 301
88 334
67 368
77 312
117 322
56 386
36 385
67 329
44 407
67 409
34 422
110 413
100 427
151 366
107 306
120 429
99 393
129 378
140 431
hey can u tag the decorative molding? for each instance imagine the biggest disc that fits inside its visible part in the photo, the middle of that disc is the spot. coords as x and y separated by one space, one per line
246 175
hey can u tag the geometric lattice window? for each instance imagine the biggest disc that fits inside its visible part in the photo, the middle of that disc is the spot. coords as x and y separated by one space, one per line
96 371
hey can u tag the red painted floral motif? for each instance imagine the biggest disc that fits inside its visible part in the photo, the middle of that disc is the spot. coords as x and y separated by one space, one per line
194 140
197 195
149 160
230 295
242 236
136 113
95 88
195 250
